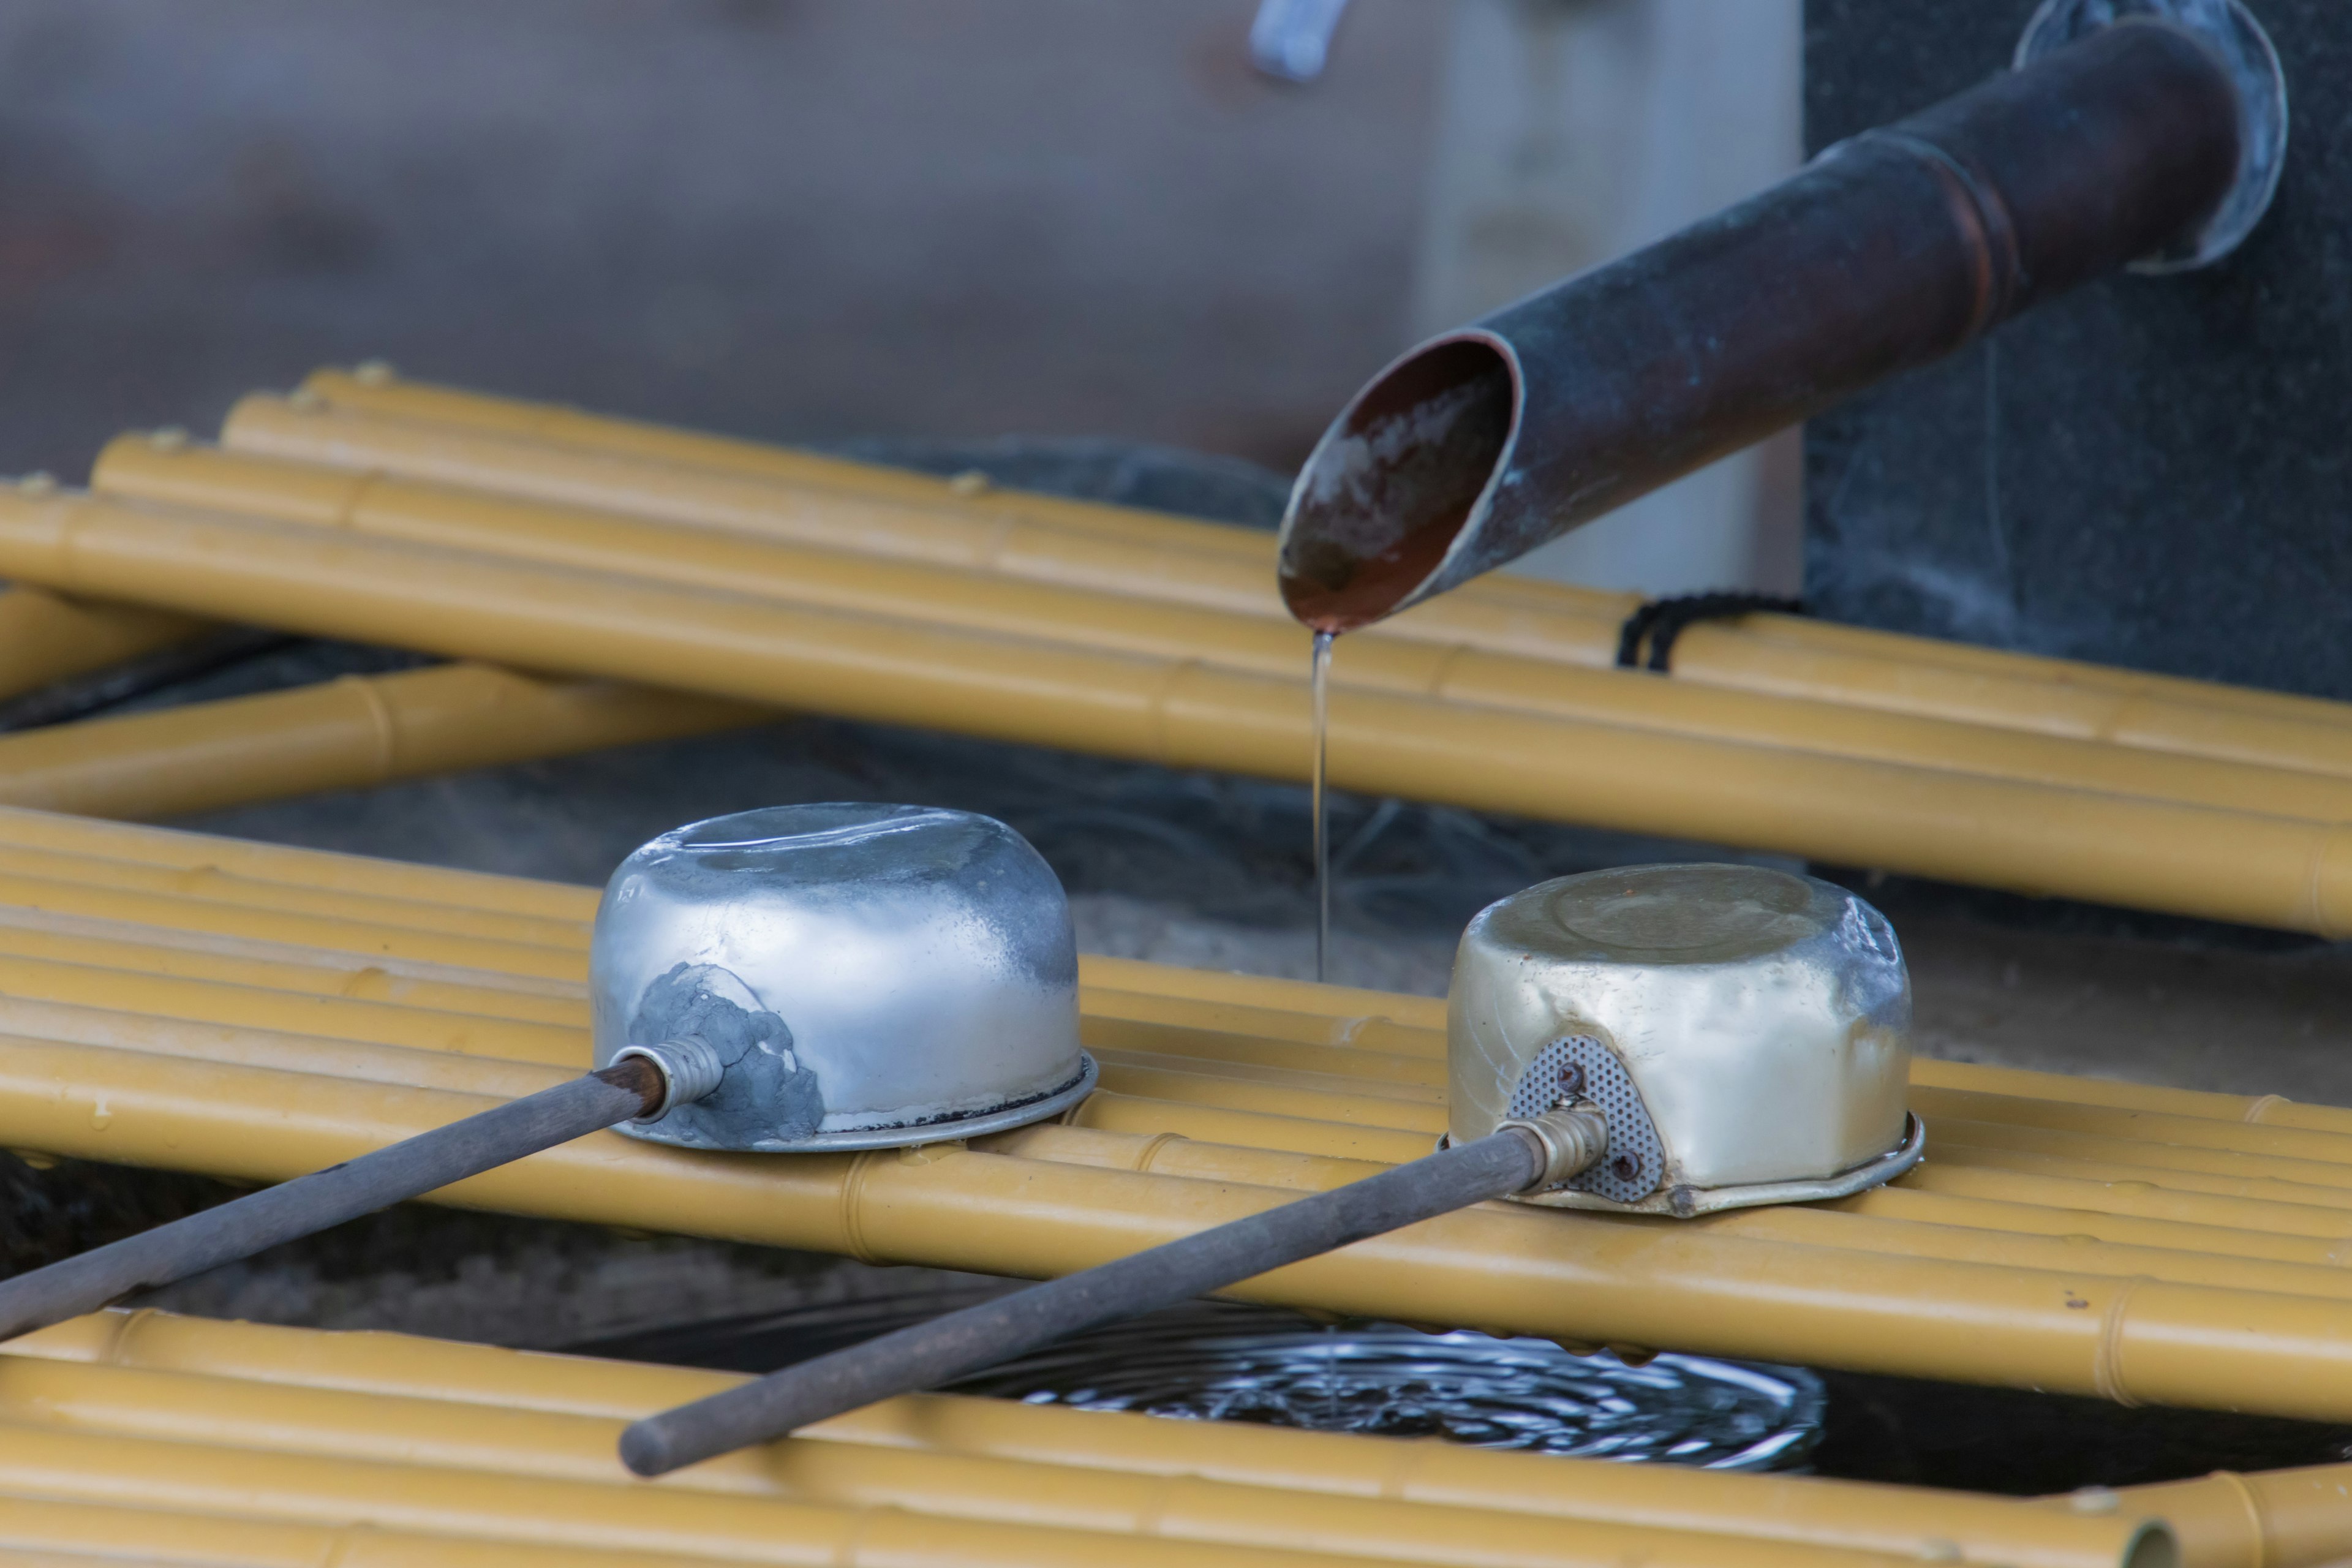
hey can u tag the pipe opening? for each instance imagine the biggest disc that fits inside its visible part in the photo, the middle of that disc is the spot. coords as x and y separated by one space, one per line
1392 484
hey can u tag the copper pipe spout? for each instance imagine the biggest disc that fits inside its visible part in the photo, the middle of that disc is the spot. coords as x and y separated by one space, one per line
1888 252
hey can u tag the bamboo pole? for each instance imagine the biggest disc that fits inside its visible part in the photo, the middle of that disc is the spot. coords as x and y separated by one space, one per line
1120 992
501 445
1599 1278
45 1532
181 1015
454 418
307 971
520 1457
1060 1447
2120 1169
1346 1014
214 884
354 732
2054 1115
409 941
2325 1181
508 993
831 579
1415 1026
2033 1227
193 1045
299 1487
2233 1143
261 866
2258 870
44 638
203 1001
2281 1518
422 412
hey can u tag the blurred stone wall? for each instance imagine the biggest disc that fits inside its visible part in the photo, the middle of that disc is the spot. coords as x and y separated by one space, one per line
1572 131
792 218
2150 471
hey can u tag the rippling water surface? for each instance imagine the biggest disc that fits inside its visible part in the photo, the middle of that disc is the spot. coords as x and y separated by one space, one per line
1239 1364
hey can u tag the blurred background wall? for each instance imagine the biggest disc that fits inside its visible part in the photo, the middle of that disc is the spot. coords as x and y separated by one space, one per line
813 219
1570 131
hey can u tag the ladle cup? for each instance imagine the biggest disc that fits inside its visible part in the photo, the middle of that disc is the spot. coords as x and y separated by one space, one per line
1667 1039
924 958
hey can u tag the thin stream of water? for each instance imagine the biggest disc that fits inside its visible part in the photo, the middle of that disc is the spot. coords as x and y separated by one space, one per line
1319 682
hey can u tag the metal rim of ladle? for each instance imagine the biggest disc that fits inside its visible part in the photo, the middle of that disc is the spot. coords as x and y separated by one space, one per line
948 1129
1683 1202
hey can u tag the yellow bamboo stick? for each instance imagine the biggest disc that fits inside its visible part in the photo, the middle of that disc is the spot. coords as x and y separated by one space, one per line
2079 1187
586 539
2282 1519
39 1532
499 444
2214 1117
2206 1312
456 412
2005 1138
209 1002
302 1030
1313 1097
1351 1470
505 994
1194 1048
2225 865
2124 1170
2067 1327
44 1532
349 734
521 1456
44 638
307 971
2036 1232
2299 1150
64 999
261 865
1415 1026
1903 1218
214 884
2001 1200
1363 1024
526 1512
68 894
1979 1101
1354 1013
194 1046
568 427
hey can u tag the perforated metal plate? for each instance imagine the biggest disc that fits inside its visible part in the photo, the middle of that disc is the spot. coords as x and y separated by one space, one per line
1578 1067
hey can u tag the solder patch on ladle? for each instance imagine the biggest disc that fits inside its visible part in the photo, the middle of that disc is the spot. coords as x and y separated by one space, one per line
1578 1067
